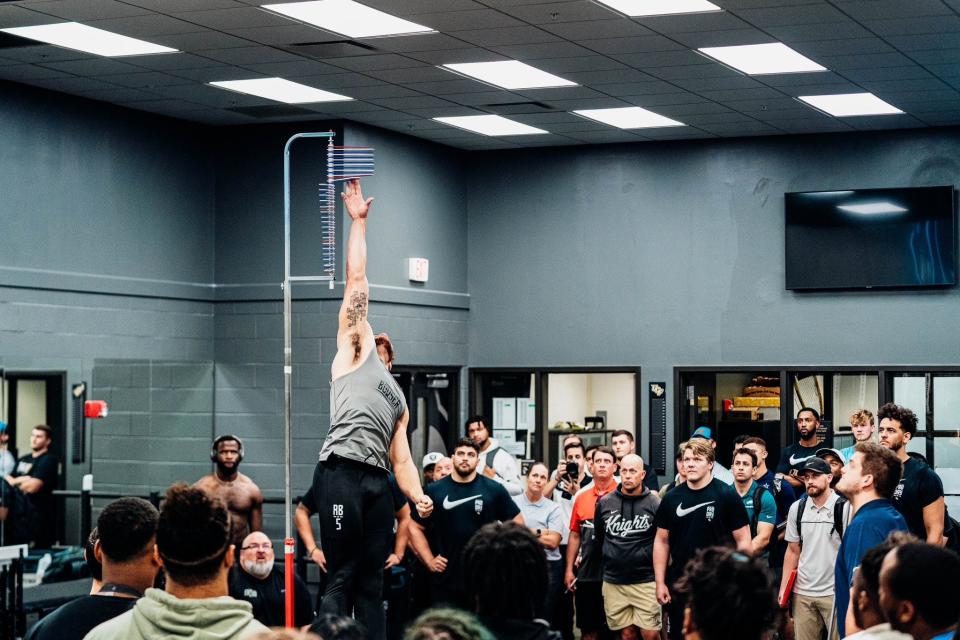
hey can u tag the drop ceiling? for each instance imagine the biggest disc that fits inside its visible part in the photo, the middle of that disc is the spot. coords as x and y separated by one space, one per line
905 52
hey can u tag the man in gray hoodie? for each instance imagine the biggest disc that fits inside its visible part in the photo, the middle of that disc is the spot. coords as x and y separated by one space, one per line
624 531
193 546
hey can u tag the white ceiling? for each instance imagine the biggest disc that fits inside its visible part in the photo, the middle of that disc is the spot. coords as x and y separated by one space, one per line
905 51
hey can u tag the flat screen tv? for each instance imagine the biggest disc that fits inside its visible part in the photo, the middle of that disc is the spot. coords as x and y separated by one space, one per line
871 238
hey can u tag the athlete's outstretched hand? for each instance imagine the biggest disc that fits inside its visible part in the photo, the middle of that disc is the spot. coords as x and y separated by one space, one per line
392 561
424 506
352 197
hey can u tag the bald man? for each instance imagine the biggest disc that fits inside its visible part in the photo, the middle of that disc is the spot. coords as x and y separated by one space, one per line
260 583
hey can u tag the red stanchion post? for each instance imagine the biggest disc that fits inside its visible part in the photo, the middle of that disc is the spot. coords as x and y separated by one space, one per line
289 546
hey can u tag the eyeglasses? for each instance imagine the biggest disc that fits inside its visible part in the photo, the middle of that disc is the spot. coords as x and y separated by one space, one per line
266 546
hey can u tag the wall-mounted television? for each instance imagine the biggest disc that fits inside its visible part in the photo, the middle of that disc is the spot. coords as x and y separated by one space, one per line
871 238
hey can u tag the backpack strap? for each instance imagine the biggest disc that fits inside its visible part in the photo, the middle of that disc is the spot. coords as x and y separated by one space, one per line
838 524
757 501
801 507
488 461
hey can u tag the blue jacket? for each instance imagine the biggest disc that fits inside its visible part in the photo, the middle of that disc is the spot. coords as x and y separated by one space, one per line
870 526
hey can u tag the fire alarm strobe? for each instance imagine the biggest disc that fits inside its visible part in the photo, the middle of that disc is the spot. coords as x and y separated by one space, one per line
95 409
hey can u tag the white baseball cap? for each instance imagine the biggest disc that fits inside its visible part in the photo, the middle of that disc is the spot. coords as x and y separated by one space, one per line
431 459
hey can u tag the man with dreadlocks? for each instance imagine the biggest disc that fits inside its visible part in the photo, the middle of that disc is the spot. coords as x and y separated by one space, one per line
505 574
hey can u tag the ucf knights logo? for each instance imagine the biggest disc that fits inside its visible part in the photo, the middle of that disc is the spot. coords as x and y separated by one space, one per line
478 505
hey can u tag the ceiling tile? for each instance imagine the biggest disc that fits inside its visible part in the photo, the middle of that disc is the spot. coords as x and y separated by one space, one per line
597 29
206 39
414 43
173 61
657 99
864 10
911 26
175 6
743 94
507 35
15 16
453 21
556 12
685 23
383 90
925 42
146 26
560 93
454 56
637 88
717 84
284 35
529 52
119 94
69 84
451 87
144 80
726 38
24 72
742 129
93 67
412 74
214 73
845 30
412 7
236 18
44 53
377 62
483 98
249 55
792 15
412 102
89 9
610 77
293 69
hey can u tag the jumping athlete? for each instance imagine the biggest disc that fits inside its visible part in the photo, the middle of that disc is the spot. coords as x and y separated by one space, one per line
368 435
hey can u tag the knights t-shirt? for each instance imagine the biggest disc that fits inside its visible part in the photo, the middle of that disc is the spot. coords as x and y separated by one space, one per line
459 510
919 487
699 518
793 457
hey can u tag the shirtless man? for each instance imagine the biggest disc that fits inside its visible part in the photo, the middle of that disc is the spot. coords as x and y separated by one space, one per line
367 436
238 492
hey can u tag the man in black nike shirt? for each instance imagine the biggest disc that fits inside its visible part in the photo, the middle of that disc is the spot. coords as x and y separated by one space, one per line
704 512
793 457
465 501
128 529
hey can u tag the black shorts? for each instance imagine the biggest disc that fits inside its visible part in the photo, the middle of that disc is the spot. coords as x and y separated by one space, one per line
588 599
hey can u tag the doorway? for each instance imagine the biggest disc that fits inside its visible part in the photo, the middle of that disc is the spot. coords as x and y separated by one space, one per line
432 395
29 398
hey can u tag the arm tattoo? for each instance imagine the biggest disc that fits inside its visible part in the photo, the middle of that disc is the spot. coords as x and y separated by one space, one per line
357 311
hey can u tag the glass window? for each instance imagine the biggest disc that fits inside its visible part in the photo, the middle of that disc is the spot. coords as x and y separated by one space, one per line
507 399
946 403
947 455
911 392
597 400
852 392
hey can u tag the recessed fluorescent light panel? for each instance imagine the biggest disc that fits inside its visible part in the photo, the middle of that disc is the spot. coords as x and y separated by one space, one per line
80 37
280 90
348 18
629 118
872 208
509 74
491 125
851 104
760 59
637 8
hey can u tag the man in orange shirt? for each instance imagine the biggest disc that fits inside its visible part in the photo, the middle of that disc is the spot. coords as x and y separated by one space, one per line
582 551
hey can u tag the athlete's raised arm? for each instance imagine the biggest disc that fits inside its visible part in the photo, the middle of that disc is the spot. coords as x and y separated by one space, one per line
354 334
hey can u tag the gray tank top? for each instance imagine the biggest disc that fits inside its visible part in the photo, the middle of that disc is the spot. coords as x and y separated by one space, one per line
365 404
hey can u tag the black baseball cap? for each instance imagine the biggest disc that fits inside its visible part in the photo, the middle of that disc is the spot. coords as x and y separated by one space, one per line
817 465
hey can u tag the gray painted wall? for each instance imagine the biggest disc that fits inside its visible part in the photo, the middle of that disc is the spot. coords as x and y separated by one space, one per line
664 255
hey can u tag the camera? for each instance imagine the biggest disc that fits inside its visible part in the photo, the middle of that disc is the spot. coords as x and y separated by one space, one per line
573 470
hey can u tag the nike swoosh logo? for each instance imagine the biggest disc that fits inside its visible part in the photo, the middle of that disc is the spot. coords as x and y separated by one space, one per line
682 512
799 460
447 504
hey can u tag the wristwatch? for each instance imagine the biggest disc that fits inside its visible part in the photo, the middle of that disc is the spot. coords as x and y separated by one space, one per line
538 533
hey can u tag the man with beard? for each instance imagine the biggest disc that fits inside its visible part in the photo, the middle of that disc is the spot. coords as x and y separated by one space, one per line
496 463
465 502
836 460
258 582
36 477
624 530
919 495
814 527
236 491
868 482
793 457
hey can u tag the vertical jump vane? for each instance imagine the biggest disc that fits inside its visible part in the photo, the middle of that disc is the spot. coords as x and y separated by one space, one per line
343 163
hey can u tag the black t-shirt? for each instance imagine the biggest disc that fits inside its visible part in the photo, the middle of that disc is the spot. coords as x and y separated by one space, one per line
624 530
699 518
267 597
459 510
919 487
75 619
793 457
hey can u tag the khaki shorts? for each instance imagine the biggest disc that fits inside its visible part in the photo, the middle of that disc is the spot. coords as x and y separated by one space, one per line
631 604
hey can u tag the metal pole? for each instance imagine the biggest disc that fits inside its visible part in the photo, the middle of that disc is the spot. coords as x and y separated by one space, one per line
288 543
